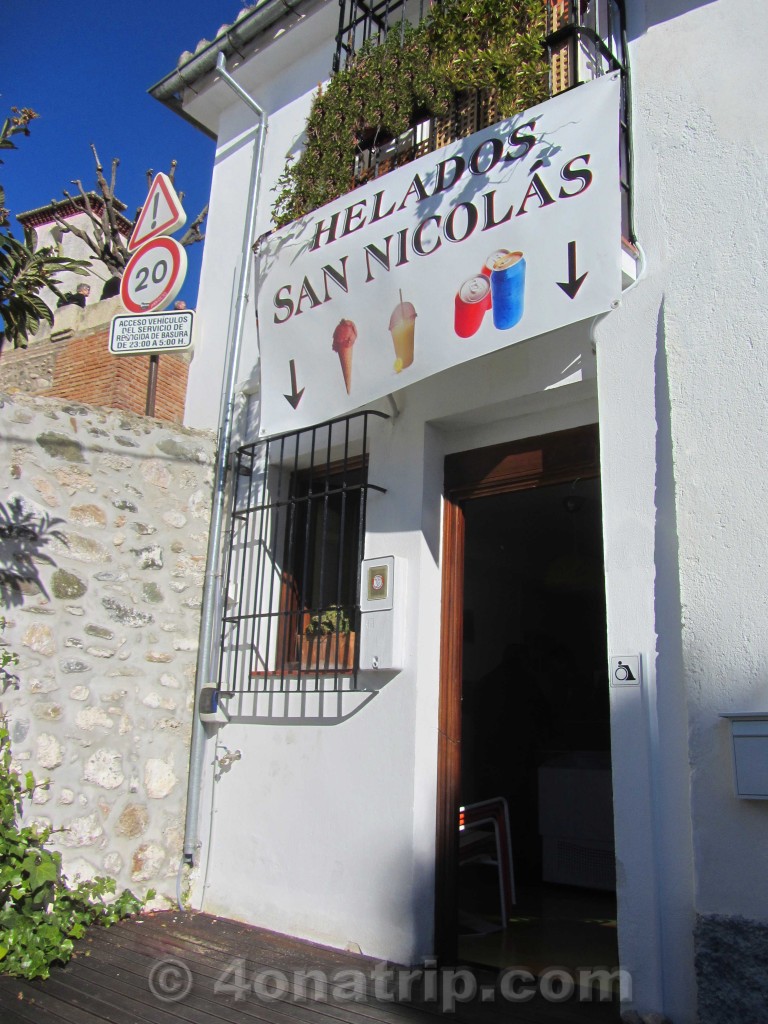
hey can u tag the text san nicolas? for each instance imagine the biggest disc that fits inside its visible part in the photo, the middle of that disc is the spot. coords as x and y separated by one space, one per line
549 179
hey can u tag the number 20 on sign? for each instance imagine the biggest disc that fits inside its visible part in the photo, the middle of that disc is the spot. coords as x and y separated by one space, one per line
153 276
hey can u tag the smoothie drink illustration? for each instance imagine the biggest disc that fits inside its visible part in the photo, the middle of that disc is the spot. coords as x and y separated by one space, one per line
344 338
472 302
402 324
508 290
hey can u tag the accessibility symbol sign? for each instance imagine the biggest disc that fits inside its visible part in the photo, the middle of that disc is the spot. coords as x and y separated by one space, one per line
161 214
625 670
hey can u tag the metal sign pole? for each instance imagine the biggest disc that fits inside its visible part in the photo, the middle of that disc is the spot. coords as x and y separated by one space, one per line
154 361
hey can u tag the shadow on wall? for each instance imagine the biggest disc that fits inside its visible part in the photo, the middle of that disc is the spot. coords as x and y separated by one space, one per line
656 12
24 533
302 706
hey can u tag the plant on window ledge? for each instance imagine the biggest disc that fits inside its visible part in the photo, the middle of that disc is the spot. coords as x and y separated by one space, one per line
329 620
495 45
328 642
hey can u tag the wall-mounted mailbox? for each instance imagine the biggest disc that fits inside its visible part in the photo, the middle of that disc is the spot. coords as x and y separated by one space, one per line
750 753
382 608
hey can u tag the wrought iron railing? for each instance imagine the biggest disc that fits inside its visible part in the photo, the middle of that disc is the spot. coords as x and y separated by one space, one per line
584 40
361 20
291 614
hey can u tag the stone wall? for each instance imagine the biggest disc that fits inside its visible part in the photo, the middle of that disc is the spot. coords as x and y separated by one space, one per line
731 953
103 534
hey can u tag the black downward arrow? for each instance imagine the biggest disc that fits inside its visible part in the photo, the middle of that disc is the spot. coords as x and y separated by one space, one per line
295 396
572 285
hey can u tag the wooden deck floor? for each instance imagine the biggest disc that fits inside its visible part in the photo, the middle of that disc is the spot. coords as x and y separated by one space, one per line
171 968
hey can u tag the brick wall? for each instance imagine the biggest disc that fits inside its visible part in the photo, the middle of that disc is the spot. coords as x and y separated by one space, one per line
72 361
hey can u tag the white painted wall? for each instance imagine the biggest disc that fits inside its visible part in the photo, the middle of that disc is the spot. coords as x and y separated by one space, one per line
68 244
325 827
681 409
714 323
327 830
282 80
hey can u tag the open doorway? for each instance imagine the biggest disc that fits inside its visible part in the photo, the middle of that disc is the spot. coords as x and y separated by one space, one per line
525 695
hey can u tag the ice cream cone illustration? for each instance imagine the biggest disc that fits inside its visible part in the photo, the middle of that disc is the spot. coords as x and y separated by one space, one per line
344 337
401 326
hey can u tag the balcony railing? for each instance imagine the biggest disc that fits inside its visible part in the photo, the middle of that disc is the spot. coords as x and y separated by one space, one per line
584 40
361 20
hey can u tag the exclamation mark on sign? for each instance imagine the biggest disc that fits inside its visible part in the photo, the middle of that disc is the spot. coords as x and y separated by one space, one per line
154 210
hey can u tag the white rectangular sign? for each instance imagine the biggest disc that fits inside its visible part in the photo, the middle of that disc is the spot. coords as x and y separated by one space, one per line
170 331
503 236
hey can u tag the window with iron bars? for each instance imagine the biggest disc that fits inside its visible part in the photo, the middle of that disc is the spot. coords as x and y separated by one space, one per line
361 20
585 40
292 585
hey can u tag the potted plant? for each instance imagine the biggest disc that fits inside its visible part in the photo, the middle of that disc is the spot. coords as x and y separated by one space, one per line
327 641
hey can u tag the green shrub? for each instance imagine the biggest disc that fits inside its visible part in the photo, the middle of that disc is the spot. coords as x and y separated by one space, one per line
417 70
40 914
330 620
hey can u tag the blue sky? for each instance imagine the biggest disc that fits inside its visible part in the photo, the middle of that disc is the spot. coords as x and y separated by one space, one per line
85 68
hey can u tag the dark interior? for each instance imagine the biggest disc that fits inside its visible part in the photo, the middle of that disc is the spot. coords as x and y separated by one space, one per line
535 728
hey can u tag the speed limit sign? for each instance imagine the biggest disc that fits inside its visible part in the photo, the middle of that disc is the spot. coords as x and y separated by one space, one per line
154 275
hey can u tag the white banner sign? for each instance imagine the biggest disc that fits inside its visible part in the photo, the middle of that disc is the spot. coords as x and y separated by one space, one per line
500 237
151 332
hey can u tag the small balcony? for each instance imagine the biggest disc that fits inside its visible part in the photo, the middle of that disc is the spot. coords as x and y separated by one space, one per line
584 40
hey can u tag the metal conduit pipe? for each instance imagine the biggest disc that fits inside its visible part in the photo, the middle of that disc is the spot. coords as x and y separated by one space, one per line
208 621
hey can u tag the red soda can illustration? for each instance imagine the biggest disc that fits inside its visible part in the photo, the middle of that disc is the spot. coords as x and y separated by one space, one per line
488 265
508 290
473 300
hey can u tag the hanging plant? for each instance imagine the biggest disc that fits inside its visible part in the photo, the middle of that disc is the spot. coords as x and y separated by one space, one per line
417 71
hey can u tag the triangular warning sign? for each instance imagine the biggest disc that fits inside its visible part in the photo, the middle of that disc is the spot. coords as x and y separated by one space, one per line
161 214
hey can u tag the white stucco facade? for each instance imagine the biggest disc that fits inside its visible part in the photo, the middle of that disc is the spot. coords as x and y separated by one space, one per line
325 827
48 233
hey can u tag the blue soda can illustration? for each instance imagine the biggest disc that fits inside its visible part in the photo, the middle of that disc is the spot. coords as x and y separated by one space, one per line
508 290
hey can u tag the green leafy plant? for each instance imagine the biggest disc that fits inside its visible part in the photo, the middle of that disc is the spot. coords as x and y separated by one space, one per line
417 71
8 659
40 914
23 272
23 275
16 124
330 620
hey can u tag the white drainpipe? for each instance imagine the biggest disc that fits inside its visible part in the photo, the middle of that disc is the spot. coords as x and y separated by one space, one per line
209 617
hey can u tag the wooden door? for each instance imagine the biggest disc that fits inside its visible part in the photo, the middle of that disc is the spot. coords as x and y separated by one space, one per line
559 457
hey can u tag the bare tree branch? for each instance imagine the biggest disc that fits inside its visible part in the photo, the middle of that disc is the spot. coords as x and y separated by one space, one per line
77 232
193 233
88 208
99 249
106 237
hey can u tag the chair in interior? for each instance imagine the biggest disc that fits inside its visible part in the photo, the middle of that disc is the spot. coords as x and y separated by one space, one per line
485 837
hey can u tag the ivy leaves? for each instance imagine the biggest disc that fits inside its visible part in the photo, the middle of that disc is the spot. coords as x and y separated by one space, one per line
481 44
415 71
